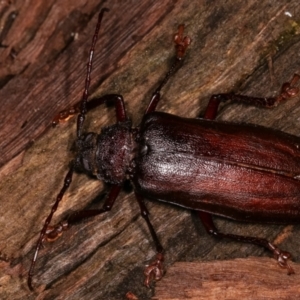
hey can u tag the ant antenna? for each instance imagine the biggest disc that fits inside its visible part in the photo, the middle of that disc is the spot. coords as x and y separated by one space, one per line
68 177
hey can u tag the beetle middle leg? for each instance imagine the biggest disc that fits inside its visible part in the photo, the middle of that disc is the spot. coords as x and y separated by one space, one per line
288 90
152 272
54 232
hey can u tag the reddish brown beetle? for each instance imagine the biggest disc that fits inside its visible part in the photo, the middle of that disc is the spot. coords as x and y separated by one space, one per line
181 161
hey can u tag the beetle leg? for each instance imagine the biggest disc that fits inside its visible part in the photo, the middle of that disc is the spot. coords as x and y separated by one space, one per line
131 296
51 233
54 232
65 115
181 44
155 270
288 90
279 255
114 99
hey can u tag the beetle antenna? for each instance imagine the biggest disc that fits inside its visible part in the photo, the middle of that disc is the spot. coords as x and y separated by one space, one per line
67 182
68 177
83 109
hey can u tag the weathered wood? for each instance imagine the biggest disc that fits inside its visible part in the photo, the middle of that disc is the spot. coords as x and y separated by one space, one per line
251 278
104 258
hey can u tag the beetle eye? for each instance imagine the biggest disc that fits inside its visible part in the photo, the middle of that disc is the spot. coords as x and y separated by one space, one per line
85 164
86 146
79 164
82 164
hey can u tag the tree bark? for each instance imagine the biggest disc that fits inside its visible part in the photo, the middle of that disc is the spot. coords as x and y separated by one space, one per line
43 71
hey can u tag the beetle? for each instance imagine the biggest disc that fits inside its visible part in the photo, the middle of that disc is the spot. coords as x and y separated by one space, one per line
181 161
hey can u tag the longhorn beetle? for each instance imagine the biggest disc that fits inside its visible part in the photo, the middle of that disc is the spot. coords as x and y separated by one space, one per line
181 161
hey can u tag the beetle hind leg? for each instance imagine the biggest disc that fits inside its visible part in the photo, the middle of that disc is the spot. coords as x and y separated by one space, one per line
282 257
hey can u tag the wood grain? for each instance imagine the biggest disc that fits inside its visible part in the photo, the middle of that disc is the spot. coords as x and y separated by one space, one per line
42 72
251 278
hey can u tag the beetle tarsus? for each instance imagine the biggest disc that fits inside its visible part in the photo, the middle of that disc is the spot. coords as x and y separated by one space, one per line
182 42
54 232
155 270
65 115
289 89
131 296
282 257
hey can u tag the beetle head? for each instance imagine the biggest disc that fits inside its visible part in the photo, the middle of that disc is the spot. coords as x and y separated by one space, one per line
107 155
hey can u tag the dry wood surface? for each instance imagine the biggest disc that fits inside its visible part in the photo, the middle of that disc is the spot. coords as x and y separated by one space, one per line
250 278
43 55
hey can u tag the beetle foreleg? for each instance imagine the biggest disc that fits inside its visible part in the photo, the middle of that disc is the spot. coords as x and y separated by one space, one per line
65 115
288 90
155 270
111 99
78 216
51 233
279 255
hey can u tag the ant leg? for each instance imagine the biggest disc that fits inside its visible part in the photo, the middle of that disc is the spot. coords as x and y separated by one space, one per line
154 271
181 44
114 99
288 90
279 255
54 232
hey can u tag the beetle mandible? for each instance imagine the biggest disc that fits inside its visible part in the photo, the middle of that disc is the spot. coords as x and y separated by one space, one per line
181 161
